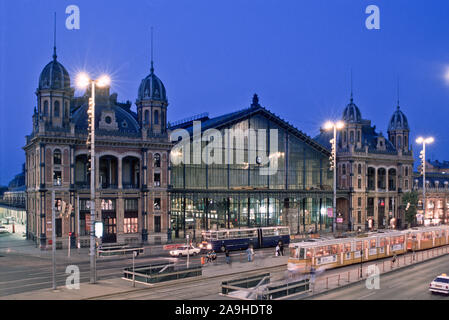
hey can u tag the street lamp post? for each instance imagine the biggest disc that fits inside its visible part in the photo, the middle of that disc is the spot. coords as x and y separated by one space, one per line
328 126
424 141
83 81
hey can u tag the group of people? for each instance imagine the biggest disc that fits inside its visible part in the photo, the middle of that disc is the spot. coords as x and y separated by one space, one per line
279 249
212 256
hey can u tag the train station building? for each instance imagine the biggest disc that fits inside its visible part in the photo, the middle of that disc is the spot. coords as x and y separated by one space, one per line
375 169
232 194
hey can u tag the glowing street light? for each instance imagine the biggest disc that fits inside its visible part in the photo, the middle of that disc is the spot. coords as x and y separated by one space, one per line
335 126
424 141
82 82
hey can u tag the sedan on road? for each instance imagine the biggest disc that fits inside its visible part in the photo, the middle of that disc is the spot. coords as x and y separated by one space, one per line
440 284
184 251
3 229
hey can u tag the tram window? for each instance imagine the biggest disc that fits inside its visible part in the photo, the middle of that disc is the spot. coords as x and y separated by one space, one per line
382 242
358 246
373 243
334 249
221 235
347 247
319 251
309 253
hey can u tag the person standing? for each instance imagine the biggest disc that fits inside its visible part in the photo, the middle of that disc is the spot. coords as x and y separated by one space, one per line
281 249
228 257
278 250
248 252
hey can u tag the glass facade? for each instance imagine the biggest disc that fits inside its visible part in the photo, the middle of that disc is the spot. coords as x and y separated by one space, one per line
234 194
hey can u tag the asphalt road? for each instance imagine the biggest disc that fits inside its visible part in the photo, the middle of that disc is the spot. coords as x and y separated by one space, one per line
22 272
405 284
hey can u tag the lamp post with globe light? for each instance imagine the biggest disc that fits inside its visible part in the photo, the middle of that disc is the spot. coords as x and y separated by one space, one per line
82 82
333 165
424 141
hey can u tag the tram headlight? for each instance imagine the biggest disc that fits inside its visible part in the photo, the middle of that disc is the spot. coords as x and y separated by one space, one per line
209 246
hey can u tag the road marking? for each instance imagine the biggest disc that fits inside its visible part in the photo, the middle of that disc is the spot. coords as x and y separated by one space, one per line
367 295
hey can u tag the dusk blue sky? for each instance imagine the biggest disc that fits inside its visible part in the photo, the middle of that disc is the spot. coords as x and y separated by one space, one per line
214 55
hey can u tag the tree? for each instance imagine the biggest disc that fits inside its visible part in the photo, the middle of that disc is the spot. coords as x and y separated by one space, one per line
410 203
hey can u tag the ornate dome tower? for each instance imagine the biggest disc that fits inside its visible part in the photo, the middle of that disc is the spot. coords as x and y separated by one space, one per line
54 93
351 135
398 130
152 103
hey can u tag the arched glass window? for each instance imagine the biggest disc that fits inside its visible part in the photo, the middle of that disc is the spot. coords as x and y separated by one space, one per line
56 113
57 158
344 137
157 160
351 136
399 141
359 169
343 169
147 117
46 108
358 136
156 117
66 109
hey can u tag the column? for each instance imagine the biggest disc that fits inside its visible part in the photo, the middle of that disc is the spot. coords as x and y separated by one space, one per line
144 196
120 173
43 222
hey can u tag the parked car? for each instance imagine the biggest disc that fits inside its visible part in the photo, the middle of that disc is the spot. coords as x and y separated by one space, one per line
3 229
184 251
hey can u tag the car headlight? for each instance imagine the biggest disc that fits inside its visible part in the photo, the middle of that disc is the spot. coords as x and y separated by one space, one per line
209 246
200 246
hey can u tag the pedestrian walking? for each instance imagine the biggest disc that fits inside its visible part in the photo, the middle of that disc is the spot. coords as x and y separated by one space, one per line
250 253
393 261
278 250
228 257
281 249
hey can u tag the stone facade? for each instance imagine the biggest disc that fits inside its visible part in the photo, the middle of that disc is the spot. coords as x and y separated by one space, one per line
132 161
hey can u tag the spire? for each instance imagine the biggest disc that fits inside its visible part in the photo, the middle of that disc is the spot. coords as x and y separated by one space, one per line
398 92
54 40
352 98
152 66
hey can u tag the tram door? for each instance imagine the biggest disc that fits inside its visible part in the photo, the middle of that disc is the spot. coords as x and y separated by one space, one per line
260 237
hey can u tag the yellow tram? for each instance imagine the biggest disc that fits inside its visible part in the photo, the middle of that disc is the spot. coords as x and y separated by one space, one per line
327 254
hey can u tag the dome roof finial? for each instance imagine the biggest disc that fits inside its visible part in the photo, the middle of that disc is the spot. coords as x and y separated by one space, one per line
152 65
255 101
352 97
54 40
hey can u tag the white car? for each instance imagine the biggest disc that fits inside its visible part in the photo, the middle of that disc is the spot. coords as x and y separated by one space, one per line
440 284
3 229
184 251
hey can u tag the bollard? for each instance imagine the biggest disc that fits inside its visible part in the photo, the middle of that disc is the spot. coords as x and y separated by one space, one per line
349 275
338 281
383 266
327 283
